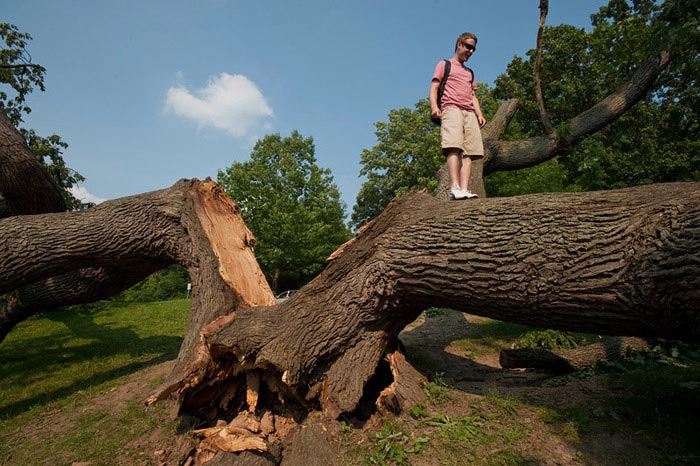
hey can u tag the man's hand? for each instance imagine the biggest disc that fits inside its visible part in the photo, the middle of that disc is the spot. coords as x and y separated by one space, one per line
482 121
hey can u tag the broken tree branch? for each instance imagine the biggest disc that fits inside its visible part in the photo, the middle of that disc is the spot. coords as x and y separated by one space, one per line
546 122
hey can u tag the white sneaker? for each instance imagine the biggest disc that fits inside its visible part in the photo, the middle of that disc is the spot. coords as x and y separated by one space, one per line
456 193
468 194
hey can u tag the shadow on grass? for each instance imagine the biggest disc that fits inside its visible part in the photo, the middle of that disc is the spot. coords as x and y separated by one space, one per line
655 404
13 409
426 351
80 353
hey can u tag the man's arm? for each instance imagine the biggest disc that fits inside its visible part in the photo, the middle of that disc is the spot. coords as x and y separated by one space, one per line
477 110
432 96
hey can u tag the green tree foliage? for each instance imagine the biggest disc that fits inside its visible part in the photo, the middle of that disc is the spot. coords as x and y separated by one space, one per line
653 142
291 205
17 70
19 73
406 157
163 285
549 176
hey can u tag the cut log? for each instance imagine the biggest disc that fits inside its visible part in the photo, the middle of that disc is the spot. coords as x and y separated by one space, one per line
566 361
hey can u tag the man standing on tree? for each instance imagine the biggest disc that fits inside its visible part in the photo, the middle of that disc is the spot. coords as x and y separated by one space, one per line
461 116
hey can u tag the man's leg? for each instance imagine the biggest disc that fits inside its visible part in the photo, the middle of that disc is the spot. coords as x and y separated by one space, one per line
454 166
465 173
473 147
452 140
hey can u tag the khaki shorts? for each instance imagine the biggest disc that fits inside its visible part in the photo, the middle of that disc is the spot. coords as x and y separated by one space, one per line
460 130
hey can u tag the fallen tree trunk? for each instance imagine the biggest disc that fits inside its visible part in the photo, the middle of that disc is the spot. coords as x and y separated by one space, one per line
566 361
619 262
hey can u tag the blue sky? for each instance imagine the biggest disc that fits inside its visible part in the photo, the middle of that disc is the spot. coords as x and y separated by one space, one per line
147 92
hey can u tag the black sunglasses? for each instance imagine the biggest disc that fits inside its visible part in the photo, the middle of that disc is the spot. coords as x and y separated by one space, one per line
468 46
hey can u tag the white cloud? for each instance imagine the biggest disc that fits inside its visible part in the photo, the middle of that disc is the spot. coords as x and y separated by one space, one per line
229 102
85 196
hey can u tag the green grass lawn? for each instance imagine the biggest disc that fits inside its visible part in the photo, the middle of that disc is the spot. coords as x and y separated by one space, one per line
47 360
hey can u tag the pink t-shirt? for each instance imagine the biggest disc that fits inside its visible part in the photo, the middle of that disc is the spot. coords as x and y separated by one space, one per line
460 85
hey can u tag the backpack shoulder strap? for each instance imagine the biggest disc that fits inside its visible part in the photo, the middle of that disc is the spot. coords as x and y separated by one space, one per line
448 67
441 88
443 81
471 71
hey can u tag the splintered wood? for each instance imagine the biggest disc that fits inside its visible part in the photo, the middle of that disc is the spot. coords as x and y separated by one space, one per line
230 439
246 432
253 391
232 243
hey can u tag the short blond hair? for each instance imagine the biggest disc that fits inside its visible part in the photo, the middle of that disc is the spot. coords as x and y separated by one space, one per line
463 37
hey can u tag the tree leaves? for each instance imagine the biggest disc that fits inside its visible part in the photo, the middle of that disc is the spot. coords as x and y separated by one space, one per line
17 70
406 157
291 205
654 141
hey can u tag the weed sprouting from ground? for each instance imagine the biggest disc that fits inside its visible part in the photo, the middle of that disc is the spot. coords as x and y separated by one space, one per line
392 446
506 404
436 390
435 312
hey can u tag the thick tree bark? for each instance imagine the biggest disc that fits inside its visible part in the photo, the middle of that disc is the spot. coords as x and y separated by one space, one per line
26 187
621 262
